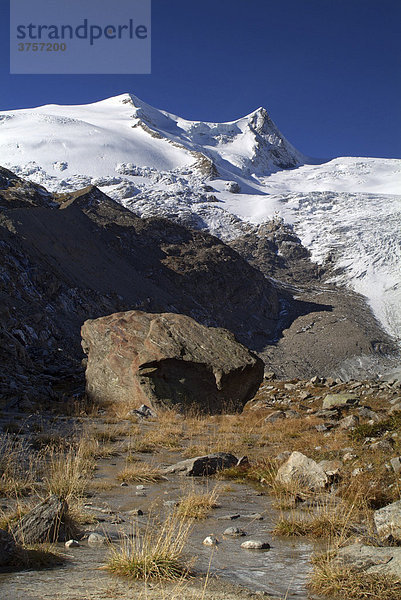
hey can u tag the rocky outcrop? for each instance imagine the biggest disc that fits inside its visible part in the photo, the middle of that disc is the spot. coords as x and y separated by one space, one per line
168 360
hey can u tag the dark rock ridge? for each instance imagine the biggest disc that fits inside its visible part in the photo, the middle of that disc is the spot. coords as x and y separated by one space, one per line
167 360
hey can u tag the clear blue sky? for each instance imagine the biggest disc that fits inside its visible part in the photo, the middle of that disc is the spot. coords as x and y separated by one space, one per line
328 71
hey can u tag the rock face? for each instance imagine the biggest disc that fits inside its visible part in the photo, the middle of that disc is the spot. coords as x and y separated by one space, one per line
388 522
44 523
203 465
302 471
167 360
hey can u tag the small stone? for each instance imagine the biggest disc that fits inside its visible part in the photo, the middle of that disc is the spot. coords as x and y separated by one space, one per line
348 456
140 487
140 494
234 532
96 539
210 540
136 512
253 517
72 544
396 464
255 545
228 517
124 484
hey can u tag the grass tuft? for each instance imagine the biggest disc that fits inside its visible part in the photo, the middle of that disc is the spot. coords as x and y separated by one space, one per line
197 505
156 553
141 472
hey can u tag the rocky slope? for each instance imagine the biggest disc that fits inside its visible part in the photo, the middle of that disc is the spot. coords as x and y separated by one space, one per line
69 257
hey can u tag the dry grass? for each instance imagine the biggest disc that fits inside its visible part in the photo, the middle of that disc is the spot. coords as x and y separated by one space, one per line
155 553
67 475
18 468
197 505
343 583
327 521
141 472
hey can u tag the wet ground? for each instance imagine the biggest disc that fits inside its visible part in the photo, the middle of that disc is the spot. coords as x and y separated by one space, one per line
280 572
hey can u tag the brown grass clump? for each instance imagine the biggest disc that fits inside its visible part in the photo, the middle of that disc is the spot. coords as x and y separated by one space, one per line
141 472
327 521
156 553
197 505
67 474
18 466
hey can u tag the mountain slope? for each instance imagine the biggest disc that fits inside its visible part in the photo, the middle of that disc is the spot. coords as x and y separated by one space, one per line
225 178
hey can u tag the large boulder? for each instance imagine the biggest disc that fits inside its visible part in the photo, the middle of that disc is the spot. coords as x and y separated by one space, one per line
303 472
388 522
167 360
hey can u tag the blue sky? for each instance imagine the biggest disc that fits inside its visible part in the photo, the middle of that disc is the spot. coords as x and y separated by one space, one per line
327 71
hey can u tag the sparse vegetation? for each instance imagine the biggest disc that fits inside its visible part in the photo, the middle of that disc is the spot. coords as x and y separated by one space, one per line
155 553
197 505
140 472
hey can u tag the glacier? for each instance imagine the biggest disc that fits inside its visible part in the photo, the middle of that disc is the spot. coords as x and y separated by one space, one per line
227 178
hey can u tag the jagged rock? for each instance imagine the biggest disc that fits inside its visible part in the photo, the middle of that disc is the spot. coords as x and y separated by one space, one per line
167 360
388 522
371 559
339 400
210 540
367 413
303 471
44 523
275 416
203 465
7 548
233 187
349 422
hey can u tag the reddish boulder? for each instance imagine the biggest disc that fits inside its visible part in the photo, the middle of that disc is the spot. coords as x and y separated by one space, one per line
167 360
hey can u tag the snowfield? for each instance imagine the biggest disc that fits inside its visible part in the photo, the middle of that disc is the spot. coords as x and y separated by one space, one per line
223 177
